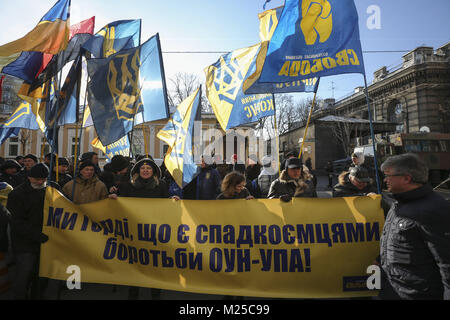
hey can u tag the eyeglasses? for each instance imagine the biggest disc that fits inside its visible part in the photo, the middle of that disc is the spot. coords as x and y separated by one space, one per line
393 175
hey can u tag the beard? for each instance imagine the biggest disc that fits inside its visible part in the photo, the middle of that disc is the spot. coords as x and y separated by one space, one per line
39 186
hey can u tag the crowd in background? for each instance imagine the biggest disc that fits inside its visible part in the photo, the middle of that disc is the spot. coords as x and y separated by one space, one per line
23 182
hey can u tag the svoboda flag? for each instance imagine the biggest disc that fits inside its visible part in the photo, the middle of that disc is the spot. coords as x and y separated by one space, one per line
313 39
306 248
268 21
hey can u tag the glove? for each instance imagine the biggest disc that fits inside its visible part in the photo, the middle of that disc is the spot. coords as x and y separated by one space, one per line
286 198
43 238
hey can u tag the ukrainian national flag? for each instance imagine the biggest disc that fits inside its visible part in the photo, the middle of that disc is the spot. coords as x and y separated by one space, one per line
178 134
24 57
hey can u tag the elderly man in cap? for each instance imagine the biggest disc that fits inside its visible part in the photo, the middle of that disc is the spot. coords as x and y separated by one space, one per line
294 181
28 162
26 204
415 244
355 182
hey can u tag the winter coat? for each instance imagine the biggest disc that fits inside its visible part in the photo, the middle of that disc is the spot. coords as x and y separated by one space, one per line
85 190
264 181
415 245
5 217
208 184
26 206
62 178
241 195
148 188
284 185
14 180
346 189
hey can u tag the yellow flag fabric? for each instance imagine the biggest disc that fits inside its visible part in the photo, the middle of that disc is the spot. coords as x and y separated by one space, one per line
178 133
307 248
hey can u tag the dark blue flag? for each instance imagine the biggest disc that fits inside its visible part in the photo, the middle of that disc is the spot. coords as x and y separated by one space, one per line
123 85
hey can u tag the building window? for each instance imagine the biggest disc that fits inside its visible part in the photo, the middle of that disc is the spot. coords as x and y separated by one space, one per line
165 149
72 149
13 150
395 114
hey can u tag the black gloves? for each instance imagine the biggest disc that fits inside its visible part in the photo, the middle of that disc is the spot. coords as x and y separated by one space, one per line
43 238
286 198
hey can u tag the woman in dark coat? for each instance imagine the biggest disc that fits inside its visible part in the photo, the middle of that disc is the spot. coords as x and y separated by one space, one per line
145 183
233 187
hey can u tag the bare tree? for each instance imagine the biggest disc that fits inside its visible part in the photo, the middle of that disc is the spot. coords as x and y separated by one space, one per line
182 86
342 131
24 137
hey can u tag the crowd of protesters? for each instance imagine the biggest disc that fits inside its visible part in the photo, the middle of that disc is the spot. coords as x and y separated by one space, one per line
415 246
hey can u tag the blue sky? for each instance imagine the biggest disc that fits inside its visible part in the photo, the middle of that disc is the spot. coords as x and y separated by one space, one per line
226 25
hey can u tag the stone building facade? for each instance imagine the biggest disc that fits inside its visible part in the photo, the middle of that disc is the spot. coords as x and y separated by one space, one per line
411 97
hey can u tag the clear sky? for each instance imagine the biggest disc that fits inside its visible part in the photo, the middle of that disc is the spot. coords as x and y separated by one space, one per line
226 25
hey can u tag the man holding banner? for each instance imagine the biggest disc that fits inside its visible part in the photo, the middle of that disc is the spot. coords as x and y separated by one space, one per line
26 204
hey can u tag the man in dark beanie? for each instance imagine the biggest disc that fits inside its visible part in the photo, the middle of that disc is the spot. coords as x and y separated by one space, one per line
9 171
28 162
26 204
91 157
61 167
118 175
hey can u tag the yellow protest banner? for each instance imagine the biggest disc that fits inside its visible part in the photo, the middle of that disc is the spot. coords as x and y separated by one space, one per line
307 248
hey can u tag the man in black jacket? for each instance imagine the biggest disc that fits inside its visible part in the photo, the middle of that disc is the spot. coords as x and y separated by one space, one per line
354 183
26 204
415 244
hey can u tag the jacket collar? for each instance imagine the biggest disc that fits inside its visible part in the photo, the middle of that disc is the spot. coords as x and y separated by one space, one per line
418 193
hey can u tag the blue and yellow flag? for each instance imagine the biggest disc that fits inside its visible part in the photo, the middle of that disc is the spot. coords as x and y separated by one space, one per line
224 90
23 58
123 85
120 147
268 21
6 133
178 134
23 117
114 37
313 39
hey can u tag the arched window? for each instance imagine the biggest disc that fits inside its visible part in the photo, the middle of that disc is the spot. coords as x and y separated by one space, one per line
395 114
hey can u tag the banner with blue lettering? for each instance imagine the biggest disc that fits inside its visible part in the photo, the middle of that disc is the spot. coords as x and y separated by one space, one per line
313 39
306 248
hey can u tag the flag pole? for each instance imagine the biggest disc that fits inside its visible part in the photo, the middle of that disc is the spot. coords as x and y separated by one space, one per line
130 136
366 91
276 134
77 141
309 119
55 124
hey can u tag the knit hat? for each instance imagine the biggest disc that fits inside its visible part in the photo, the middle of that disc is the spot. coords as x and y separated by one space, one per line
63 161
85 164
118 163
31 156
266 161
147 161
87 156
11 164
39 170
294 163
